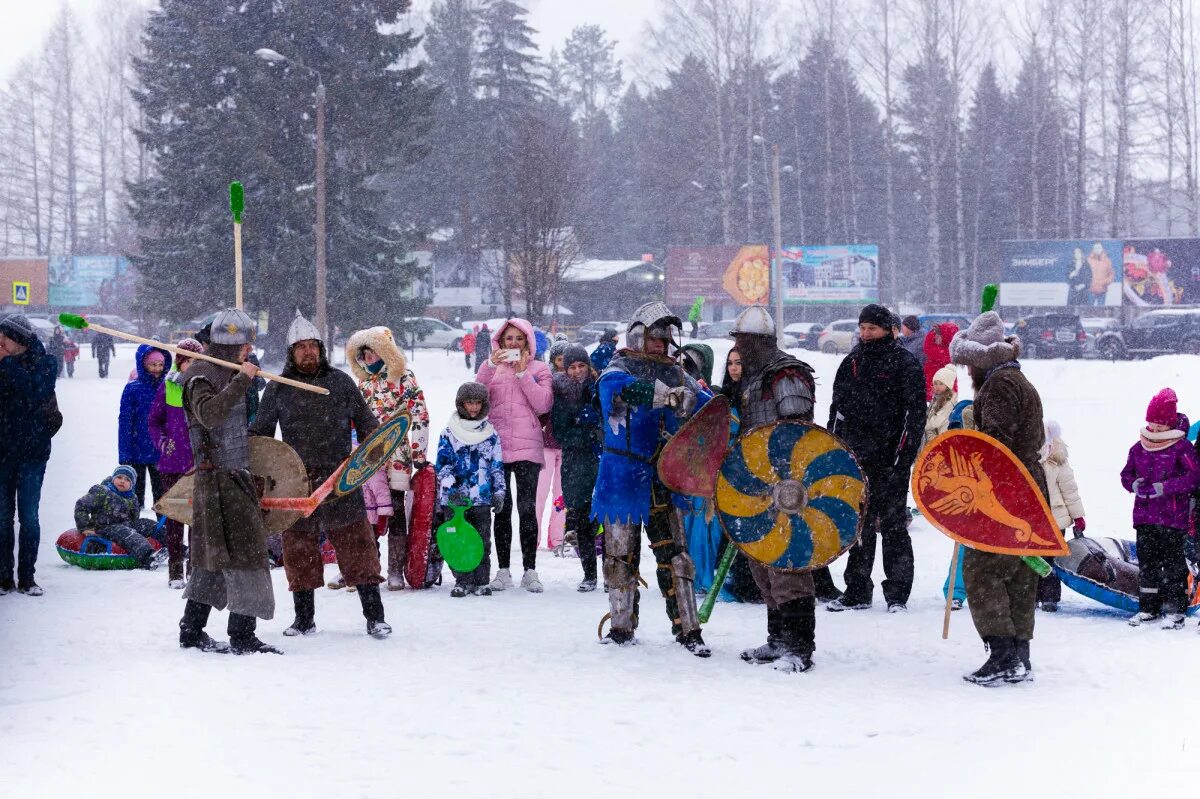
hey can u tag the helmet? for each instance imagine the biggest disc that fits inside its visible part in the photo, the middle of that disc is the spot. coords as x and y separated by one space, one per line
302 330
755 320
656 320
232 326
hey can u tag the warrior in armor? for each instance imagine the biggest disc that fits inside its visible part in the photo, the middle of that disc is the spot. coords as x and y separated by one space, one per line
776 386
644 398
228 541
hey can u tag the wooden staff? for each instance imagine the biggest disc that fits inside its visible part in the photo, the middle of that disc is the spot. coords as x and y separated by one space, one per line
950 591
79 323
237 203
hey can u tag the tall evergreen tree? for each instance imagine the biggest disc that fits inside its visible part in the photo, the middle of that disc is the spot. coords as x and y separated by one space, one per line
215 112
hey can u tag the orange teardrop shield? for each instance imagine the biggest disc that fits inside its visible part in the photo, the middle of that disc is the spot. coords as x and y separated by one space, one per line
688 462
973 489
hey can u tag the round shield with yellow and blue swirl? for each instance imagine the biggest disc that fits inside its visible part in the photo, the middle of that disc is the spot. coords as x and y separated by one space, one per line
791 496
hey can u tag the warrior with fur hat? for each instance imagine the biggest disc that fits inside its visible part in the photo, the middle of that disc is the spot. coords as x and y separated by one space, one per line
228 541
644 398
319 429
1002 588
390 387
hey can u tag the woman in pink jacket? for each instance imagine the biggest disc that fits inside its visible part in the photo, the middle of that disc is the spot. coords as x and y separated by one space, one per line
519 391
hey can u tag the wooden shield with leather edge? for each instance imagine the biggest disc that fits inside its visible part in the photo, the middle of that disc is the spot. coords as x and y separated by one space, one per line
688 462
973 489
791 496
373 453
278 473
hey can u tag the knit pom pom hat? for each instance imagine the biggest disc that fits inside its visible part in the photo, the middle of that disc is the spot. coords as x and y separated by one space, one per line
1163 408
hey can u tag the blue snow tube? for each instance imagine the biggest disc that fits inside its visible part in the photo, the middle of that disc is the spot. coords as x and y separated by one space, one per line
1106 570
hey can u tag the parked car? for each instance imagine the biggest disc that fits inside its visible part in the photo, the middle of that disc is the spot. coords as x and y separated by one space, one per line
838 336
591 332
1094 327
805 333
425 331
1156 333
44 329
1051 335
723 328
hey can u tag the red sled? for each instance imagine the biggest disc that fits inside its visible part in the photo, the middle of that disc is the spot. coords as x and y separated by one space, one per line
420 529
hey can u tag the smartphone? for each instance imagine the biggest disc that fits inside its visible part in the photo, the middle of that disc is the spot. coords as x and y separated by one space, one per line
512 356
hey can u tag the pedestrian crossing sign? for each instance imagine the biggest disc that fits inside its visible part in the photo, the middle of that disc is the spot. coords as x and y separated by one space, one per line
20 293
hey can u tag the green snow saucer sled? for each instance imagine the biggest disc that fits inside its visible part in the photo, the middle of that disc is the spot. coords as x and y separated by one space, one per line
95 552
459 542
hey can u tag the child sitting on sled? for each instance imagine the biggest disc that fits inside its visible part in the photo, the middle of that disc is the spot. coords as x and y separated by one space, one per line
1162 472
112 510
470 471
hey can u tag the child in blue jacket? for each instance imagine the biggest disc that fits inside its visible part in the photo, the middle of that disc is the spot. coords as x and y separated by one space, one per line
135 446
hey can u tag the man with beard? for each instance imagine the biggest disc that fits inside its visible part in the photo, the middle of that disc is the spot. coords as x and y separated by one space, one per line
644 398
777 386
228 542
878 409
318 428
1002 588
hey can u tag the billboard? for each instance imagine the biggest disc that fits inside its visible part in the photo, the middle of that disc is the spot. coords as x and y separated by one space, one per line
832 273
1161 272
733 273
85 280
1081 272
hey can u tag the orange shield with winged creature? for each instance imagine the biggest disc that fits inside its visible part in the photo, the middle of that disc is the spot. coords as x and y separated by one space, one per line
973 489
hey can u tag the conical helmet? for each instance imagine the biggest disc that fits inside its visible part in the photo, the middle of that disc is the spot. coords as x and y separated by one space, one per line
302 330
232 326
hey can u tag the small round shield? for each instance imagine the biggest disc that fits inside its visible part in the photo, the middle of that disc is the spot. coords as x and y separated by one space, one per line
791 496
373 453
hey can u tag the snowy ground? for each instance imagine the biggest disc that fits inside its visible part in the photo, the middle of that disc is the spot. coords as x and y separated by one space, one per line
511 696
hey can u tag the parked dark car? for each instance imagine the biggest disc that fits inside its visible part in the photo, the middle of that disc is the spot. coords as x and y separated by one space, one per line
807 334
1155 333
1051 335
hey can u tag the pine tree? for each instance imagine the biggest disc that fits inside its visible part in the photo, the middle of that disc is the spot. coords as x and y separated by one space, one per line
592 73
215 112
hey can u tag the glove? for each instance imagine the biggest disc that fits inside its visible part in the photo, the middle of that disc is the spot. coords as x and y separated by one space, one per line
1080 526
639 392
1137 485
498 500
1152 491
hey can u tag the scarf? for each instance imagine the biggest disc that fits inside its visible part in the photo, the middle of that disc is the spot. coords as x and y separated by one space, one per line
1153 442
173 386
470 431
374 368
127 494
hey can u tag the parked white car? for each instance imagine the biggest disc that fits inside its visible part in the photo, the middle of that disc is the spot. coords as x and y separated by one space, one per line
425 331
838 336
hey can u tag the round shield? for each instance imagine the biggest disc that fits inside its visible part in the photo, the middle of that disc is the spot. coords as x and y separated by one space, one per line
278 472
791 496
373 453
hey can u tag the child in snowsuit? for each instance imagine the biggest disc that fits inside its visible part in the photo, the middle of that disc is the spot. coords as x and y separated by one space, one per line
1162 472
134 446
1065 504
576 424
470 470
111 510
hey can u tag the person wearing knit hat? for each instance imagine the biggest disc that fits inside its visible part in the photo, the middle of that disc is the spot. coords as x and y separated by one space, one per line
1002 588
113 511
878 409
937 419
168 427
576 425
29 417
1162 471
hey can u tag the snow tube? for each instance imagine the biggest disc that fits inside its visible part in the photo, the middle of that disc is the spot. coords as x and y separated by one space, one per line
1106 570
95 552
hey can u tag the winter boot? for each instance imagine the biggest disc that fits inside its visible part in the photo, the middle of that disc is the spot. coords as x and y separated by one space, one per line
29 588
1002 663
502 580
1049 606
1141 617
481 590
242 640
588 585
372 605
175 573
531 583
396 582
797 635
191 629
771 650
956 604
459 591
842 603
1173 621
306 610
1025 673
897 607
157 559
619 637
7 586
337 583
693 643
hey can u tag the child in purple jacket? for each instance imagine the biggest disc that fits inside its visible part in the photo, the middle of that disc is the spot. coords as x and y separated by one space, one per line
1162 472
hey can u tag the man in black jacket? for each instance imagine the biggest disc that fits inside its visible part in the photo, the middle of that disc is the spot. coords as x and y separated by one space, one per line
878 409
318 428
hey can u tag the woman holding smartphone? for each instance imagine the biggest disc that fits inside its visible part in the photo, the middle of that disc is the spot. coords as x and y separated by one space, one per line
519 391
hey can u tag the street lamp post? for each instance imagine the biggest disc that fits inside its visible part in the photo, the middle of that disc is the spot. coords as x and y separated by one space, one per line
320 301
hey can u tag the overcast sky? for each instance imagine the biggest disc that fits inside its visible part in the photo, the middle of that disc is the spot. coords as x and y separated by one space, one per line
23 24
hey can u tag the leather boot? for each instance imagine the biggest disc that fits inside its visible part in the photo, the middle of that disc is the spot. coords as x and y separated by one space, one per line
772 649
798 636
191 629
1002 664
372 606
306 611
242 639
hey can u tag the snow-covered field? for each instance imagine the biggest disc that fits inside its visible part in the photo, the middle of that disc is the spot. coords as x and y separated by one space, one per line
511 696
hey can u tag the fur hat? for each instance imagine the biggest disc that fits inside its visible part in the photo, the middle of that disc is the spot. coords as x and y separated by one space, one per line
17 327
472 391
380 341
876 314
983 344
1163 408
575 353
946 376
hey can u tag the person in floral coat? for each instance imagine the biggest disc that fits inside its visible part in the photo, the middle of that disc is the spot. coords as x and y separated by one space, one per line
389 386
